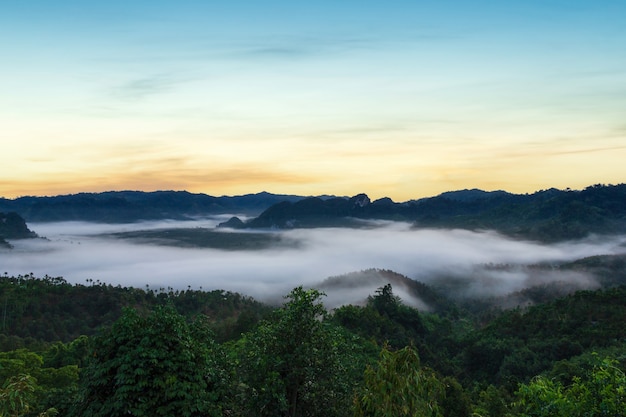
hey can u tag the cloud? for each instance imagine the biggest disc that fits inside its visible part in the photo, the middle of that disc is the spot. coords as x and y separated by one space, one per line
140 88
297 47
79 251
138 168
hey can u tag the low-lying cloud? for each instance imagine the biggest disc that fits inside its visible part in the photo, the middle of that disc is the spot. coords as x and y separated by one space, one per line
80 251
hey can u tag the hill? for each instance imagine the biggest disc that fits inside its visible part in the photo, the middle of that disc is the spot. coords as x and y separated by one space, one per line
547 215
131 206
13 226
355 288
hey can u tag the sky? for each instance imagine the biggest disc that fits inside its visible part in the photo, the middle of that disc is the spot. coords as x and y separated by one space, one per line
403 99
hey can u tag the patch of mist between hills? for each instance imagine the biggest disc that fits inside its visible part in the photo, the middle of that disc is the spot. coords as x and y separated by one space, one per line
488 283
359 295
76 252
355 288
59 230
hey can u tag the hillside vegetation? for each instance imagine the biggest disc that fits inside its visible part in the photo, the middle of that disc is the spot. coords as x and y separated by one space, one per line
94 349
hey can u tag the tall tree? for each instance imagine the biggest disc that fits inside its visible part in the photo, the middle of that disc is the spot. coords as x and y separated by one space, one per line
154 365
292 365
399 386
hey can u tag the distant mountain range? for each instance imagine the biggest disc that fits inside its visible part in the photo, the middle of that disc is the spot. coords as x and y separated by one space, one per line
132 206
547 215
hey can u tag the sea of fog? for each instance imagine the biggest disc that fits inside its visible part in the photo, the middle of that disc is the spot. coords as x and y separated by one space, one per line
79 251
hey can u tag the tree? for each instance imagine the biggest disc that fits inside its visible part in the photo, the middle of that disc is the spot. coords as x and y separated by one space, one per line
492 402
154 365
385 318
29 386
385 302
602 392
292 364
456 402
399 386
17 395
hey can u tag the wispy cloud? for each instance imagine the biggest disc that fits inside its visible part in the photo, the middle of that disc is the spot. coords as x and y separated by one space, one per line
133 172
139 88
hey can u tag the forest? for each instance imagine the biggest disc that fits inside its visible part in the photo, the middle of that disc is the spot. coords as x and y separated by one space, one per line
95 349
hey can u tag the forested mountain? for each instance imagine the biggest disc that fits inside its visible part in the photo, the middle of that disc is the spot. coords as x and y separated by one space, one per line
548 215
130 206
13 226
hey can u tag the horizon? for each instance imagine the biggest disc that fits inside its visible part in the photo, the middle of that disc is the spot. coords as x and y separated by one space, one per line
403 100
308 196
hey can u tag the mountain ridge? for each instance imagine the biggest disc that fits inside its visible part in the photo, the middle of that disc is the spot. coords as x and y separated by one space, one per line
546 215
132 206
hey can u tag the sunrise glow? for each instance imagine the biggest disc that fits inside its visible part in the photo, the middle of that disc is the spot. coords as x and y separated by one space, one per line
399 99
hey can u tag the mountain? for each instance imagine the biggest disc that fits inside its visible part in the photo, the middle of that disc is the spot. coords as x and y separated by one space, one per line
13 226
311 212
130 206
471 195
547 215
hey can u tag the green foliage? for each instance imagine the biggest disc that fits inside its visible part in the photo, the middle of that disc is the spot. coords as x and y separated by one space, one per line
50 309
456 402
399 386
243 358
293 364
385 302
384 318
493 401
600 392
519 344
154 365
18 362
42 381
60 354
17 395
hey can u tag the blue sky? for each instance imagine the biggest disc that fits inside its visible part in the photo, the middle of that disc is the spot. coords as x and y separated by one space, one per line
401 99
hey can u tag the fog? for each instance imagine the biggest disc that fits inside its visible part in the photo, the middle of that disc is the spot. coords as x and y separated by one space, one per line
79 251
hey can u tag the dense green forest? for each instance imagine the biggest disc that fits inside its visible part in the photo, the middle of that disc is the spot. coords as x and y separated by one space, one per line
98 350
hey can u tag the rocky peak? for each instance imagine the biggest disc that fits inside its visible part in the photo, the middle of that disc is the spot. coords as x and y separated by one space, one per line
360 200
